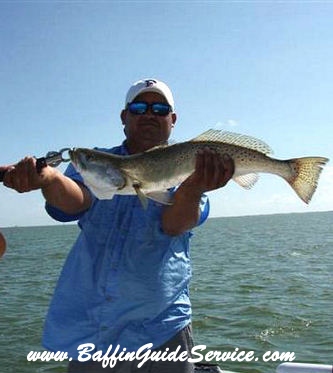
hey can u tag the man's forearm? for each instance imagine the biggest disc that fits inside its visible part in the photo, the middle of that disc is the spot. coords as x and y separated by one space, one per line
184 213
67 195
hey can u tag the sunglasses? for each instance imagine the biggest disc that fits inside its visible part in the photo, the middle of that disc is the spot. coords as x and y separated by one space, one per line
141 107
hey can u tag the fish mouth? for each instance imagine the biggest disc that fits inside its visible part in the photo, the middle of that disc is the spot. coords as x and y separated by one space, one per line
72 155
78 158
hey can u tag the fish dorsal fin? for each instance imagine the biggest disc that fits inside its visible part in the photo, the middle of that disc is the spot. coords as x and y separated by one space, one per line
162 146
232 138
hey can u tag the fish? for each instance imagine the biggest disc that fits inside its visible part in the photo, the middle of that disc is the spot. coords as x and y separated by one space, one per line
151 174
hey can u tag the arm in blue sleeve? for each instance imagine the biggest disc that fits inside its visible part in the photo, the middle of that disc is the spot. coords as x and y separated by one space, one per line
61 216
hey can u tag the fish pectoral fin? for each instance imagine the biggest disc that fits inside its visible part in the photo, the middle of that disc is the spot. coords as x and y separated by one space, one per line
163 197
246 181
142 197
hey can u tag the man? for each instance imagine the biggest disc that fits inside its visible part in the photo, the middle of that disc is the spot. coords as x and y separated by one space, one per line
125 282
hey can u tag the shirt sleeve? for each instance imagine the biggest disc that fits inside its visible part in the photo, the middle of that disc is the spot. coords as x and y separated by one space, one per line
58 214
204 209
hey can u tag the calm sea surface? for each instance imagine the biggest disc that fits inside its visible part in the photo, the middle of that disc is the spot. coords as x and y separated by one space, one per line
261 283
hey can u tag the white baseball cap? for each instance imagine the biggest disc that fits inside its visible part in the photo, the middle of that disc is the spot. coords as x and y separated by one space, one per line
150 85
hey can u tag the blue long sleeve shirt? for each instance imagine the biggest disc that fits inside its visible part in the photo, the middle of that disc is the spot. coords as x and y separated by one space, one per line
125 282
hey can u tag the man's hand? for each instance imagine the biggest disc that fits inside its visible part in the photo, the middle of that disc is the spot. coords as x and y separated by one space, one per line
58 190
211 172
3 170
23 176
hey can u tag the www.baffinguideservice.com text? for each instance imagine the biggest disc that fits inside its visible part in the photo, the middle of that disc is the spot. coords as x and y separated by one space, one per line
198 354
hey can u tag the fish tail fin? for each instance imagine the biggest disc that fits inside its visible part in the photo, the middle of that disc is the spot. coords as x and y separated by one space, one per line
304 175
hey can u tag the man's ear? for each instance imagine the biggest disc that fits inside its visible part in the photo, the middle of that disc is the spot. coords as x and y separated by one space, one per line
123 116
174 119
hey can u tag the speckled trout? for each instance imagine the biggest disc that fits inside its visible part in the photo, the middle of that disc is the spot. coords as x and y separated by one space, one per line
151 173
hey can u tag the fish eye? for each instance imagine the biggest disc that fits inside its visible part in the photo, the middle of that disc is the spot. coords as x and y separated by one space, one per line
89 157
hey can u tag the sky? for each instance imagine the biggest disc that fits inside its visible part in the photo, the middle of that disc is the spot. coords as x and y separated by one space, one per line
261 68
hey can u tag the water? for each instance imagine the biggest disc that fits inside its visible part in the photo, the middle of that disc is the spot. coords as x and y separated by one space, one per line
260 283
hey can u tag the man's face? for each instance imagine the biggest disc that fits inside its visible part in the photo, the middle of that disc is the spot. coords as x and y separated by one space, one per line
144 131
